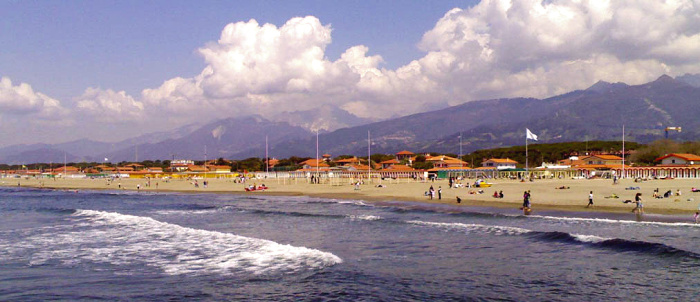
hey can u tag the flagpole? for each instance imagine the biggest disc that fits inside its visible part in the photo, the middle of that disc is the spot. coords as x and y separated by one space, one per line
526 163
623 151
267 159
369 159
317 155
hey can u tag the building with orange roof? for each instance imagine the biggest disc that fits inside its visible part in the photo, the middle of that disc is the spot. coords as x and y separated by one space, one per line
499 163
404 155
348 161
444 161
389 163
313 164
679 159
602 159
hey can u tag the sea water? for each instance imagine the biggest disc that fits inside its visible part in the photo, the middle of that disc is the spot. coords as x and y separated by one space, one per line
117 245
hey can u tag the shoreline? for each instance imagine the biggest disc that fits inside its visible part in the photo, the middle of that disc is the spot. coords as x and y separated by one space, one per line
547 198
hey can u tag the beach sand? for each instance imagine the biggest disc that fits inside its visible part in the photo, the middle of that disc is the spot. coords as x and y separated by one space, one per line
545 193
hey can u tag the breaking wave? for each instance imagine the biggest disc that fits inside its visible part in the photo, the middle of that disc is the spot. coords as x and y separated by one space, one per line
617 244
127 241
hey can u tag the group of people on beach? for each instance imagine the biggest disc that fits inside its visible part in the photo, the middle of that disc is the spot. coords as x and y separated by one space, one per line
431 192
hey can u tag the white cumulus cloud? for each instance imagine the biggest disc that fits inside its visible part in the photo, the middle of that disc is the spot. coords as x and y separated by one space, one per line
109 106
501 48
22 100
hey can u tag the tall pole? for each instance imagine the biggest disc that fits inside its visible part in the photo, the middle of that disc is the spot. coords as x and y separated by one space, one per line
526 163
64 164
267 159
205 161
369 158
317 164
623 151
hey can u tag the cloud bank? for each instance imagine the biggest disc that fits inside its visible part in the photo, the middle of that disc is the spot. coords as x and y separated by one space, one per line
497 48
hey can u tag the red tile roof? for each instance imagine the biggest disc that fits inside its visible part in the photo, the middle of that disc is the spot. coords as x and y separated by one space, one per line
684 156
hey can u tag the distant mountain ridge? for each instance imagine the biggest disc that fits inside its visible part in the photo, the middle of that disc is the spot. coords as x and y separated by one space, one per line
596 113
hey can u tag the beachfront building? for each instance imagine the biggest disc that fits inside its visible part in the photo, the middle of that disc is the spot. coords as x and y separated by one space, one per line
602 159
326 157
180 165
499 163
313 164
444 161
348 161
679 159
273 162
407 156
219 169
389 163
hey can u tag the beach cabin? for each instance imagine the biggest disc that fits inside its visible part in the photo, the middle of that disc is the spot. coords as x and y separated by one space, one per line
499 163
679 159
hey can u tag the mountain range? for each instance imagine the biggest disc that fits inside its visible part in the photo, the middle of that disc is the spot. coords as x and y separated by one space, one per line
596 113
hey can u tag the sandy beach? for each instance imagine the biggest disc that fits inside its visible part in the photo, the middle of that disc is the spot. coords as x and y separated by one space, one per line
546 194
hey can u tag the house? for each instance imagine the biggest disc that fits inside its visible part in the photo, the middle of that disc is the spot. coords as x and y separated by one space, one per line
134 166
180 165
348 161
602 159
326 157
66 170
405 155
444 161
219 169
389 163
313 164
273 162
679 159
155 169
196 168
499 163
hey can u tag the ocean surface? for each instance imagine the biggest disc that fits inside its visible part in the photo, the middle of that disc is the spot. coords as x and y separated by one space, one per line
118 246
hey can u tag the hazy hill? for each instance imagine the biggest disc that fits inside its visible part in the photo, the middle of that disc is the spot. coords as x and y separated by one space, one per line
220 139
324 118
597 113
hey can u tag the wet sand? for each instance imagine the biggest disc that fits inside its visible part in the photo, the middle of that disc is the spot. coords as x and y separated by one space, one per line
546 194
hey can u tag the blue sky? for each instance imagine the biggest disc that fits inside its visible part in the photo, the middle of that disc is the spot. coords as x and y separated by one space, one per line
110 70
62 47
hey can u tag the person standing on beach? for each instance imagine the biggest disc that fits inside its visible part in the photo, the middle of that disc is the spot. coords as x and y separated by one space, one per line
639 209
590 199
431 192
440 192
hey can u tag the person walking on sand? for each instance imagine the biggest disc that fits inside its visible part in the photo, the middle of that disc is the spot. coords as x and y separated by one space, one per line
590 199
440 192
431 192
639 209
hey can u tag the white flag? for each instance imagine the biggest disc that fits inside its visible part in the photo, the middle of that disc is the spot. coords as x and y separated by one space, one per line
530 135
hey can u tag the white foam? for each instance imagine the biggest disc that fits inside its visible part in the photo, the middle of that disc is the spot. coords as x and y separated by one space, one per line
498 230
126 240
364 217
589 238
615 221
